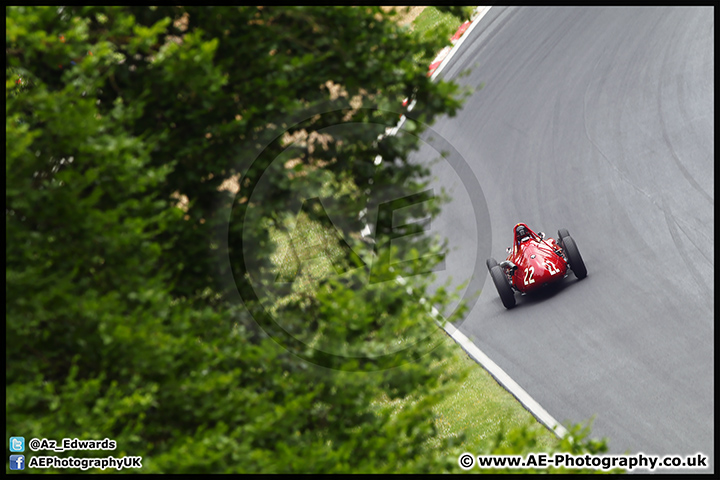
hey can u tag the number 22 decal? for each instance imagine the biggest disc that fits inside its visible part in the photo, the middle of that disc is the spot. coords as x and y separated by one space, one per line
529 278
551 268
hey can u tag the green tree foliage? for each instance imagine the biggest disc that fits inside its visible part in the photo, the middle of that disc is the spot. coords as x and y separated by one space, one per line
121 321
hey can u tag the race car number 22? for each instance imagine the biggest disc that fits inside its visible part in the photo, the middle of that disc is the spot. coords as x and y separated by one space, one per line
529 278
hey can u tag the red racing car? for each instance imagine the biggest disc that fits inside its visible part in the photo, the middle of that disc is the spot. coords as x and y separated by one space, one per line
534 262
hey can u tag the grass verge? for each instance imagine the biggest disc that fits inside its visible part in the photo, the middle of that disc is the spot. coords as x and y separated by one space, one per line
483 409
431 19
480 408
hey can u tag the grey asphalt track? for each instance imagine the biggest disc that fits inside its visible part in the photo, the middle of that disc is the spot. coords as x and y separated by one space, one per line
601 121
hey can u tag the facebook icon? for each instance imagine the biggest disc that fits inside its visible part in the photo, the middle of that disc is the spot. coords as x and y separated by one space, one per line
17 462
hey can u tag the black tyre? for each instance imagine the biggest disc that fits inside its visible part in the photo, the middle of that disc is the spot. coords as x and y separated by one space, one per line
490 262
562 233
574 258
503 286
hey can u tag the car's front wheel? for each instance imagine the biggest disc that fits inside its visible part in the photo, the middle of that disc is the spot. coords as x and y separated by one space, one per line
574 258
502 285
490 262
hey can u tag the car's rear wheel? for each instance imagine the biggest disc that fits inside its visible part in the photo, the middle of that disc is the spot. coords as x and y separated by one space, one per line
574 258
503 286
562 233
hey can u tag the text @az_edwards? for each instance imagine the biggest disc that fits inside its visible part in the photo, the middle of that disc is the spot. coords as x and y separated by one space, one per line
71 444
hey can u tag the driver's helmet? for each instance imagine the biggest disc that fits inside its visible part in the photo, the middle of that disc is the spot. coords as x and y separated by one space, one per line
522 234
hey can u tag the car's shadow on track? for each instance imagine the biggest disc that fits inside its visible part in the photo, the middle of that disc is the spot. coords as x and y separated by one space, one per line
545 293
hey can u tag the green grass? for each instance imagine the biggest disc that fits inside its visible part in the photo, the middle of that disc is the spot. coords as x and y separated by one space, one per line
432 20
430 23
482 409
479 407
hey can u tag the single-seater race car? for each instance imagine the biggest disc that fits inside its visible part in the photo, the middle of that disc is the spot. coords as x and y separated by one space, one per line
534 262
